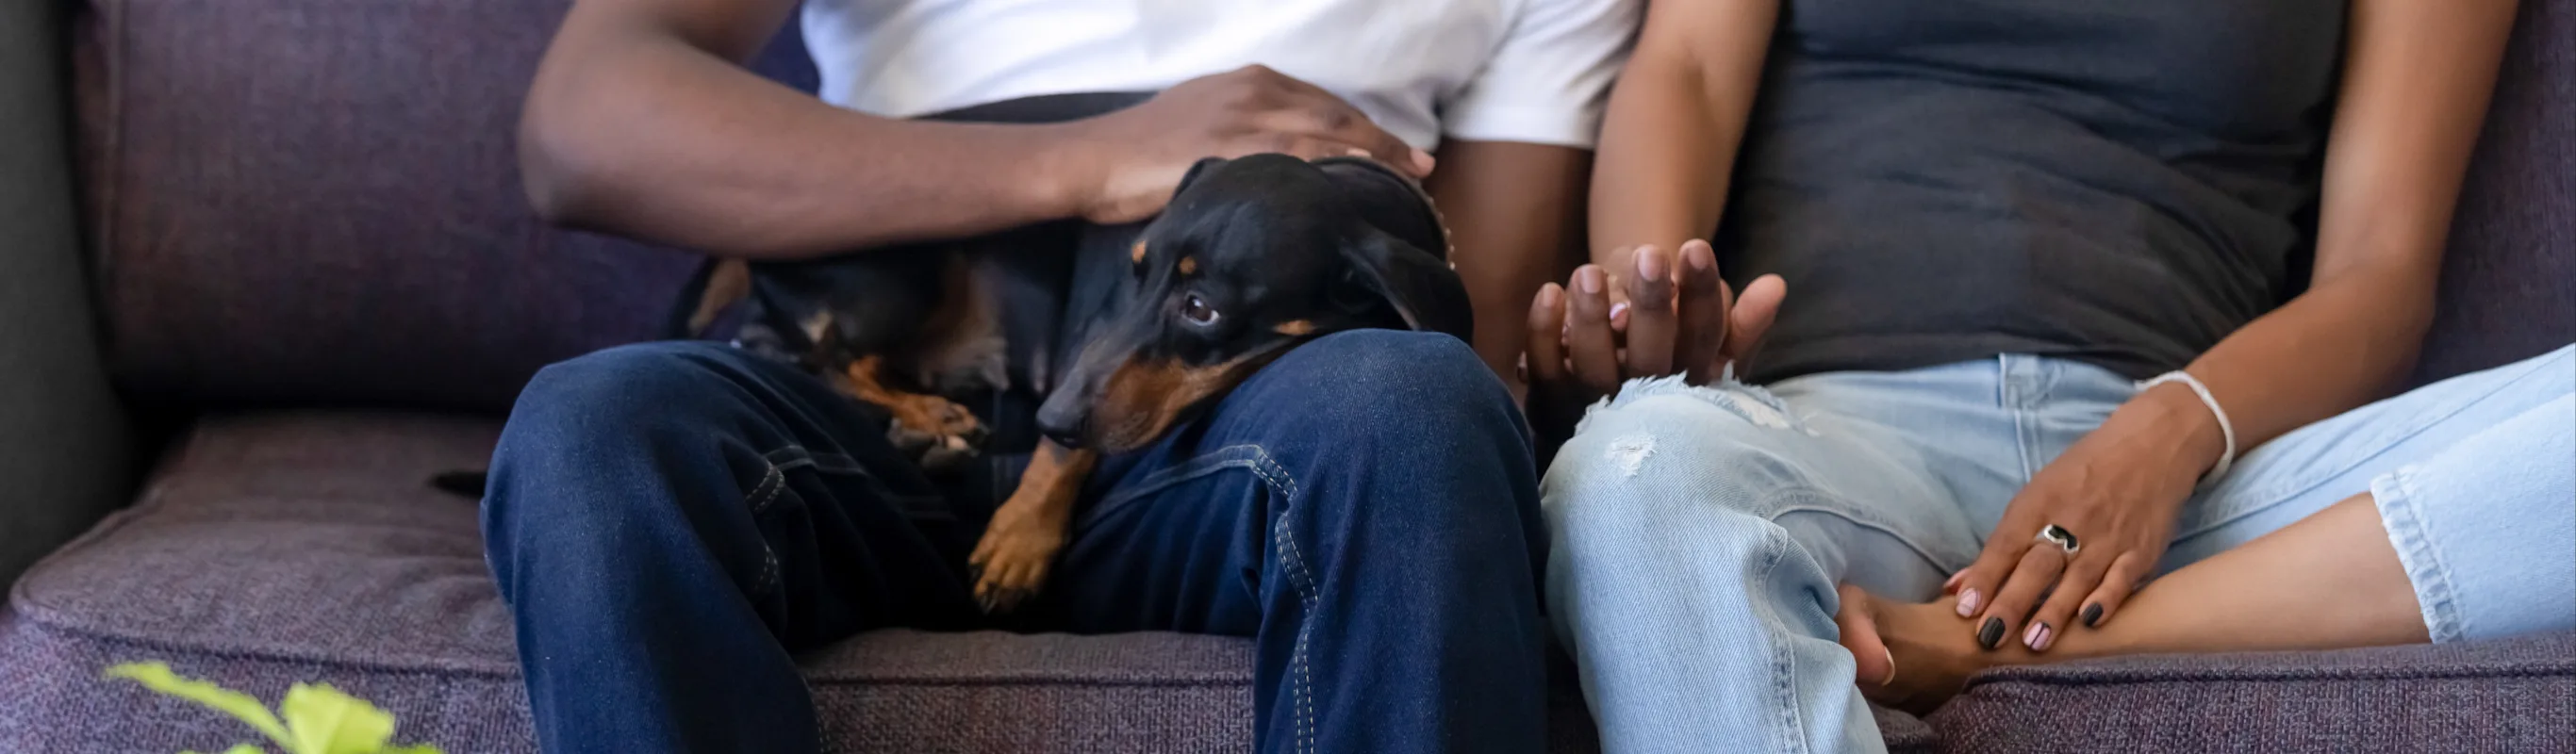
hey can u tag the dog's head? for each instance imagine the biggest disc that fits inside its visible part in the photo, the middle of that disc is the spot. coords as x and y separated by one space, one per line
1253 256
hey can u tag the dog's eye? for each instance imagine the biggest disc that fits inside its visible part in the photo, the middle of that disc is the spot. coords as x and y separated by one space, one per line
1197 311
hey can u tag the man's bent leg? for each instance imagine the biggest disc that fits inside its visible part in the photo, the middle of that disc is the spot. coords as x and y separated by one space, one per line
1366 508
669 521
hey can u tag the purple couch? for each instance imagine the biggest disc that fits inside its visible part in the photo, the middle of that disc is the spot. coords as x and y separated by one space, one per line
264 266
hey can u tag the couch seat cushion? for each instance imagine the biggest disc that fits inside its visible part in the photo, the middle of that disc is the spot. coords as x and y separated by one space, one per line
272 548
281 547
2510 695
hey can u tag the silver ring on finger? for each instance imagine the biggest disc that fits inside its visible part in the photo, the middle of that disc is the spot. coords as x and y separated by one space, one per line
2058 535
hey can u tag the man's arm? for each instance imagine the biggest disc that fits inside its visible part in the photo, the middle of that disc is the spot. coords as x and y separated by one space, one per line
642 121
1514 212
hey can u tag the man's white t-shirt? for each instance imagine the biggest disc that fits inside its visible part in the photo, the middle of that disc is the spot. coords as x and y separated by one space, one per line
1484 70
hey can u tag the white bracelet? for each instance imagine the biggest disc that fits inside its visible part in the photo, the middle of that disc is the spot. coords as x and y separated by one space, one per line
2226 429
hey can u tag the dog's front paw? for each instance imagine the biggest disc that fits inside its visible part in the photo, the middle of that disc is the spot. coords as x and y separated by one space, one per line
1011 562
943 436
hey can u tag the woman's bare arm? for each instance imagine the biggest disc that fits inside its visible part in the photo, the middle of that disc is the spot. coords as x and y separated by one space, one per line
1676 117
2417 76
2416 79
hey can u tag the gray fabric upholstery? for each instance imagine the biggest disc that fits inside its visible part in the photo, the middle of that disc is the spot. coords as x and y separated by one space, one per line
314 201
280 547
2516 695
2509 279
275 548
298 201
64 459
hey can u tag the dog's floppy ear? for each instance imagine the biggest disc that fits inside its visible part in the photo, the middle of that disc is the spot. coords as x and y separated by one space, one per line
1420 285
1197 169
1390 201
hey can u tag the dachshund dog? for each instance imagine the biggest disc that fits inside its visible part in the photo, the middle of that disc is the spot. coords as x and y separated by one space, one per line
1251 257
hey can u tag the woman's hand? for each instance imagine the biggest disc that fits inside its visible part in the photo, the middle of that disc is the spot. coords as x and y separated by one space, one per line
2118 491
1681 317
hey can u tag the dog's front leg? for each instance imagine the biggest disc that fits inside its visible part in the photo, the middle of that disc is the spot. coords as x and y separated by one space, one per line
1011 561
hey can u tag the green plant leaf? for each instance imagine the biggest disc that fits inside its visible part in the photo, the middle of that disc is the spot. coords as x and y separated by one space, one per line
326 721
157 677
244 749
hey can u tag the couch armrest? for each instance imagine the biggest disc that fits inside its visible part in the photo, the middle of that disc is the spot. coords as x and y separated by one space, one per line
65 452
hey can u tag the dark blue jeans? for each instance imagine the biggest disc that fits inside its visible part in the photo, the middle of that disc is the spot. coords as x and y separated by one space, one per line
670 522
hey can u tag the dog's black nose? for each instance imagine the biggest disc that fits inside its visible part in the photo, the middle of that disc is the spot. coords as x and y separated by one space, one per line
1061 423
1066 437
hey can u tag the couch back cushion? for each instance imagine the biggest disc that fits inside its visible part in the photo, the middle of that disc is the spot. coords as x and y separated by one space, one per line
317 201
301 201
2509 280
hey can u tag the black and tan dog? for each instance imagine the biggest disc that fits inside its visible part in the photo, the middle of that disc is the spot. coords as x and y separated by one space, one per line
1251 257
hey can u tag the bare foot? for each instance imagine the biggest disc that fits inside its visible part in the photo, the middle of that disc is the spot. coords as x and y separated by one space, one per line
1931 650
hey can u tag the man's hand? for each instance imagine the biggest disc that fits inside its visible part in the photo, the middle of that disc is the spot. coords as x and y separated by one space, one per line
1127 163
1683 318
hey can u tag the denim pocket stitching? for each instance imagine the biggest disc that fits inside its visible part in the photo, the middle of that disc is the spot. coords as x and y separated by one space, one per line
771 481
1228 457
1293 561
797 456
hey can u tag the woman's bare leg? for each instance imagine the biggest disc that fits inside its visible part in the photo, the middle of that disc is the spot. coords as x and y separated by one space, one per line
2330 581
2469 542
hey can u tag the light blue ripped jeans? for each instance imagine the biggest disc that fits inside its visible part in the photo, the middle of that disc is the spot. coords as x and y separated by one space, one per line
1699 532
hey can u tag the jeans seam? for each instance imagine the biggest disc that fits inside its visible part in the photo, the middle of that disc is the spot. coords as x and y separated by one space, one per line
1783 661
1245 456
2394 494
2265 498
2008 396
773 481
1293 562
1783 503
789 457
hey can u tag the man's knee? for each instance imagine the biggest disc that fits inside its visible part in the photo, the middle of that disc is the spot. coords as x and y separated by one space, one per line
1393 405
1389 390
582 424
614 393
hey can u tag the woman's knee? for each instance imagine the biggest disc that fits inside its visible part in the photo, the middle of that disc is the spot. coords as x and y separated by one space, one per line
1655 456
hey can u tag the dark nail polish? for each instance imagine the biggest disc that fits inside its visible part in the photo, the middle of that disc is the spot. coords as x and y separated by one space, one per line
1992 634
2092 614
